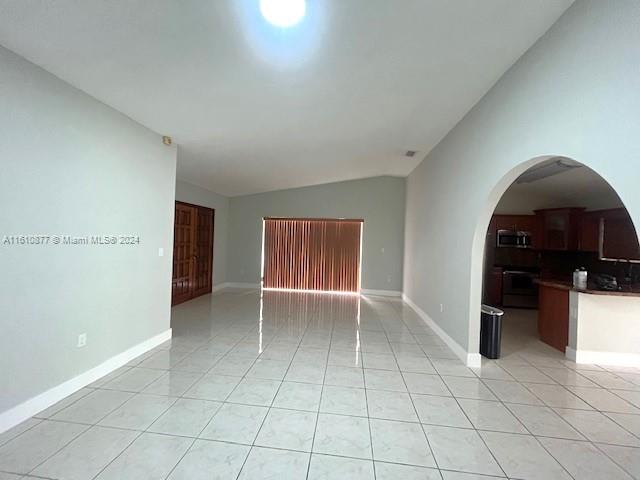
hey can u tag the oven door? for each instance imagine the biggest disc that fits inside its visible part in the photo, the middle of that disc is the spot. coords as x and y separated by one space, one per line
519 289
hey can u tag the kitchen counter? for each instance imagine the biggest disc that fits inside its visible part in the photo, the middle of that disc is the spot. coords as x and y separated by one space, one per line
626 290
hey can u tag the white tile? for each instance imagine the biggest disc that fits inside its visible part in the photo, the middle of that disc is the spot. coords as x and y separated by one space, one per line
400 442
213 387
584 461
306 373
391 405
344 401
633 397
384 380
87 455
345 358
270 464
344 376
133 380
268 369
210 460
172 383
449 475
454 368
232 365
235 423
325 467
512 392
298 396
597 427
464 387
440 411
629 422
626 457
544 421
604 400
565 376
18 429
93 407
474 457
65 402
415 364
342 435
186 417
528 374
29 449
489 415
425 384
196 363
521 456
557 396
289 429
139 412
149 457
255 391
394 471
25 452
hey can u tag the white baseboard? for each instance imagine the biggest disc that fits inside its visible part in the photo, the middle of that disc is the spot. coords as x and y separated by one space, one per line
469 359
26 410
381 293
591 357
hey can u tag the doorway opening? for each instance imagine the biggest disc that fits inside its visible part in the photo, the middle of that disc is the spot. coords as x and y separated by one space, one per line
312 254
556 217
192 252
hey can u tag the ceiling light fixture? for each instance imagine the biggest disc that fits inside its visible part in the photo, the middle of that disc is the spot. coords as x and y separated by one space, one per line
283 13
556 166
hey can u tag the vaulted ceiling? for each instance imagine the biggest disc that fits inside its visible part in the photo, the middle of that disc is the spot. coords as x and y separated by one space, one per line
256 108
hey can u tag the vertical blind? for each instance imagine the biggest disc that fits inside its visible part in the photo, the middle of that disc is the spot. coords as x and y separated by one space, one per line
312 254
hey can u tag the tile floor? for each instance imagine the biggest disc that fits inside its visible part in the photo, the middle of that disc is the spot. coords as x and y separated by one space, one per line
295 386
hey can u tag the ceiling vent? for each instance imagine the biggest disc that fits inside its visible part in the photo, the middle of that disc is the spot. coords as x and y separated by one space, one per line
410 153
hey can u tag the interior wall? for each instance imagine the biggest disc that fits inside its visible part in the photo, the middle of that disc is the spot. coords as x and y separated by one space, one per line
380 201
71 166
189 193
574 94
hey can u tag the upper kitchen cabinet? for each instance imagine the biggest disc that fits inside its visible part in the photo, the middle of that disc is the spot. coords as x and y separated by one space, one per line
560 228
619 238
590 232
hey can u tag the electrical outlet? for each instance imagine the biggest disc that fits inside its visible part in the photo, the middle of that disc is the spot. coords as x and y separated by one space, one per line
441 307
82 340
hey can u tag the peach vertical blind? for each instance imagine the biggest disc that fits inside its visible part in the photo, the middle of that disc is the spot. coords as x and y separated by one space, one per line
312 254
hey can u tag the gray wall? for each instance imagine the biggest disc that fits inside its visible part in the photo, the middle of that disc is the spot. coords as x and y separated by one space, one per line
575 93
379 201
73 166
187 192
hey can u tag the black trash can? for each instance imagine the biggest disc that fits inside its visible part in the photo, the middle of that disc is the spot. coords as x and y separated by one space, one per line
490 331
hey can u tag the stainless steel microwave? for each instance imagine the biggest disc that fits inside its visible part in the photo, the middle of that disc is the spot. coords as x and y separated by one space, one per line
513 238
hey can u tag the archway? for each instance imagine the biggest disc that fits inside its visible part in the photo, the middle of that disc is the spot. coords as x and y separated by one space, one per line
479 244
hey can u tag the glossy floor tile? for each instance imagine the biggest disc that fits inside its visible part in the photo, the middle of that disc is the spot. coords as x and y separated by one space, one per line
310 386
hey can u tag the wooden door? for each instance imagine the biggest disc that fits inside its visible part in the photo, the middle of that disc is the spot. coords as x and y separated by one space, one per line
204 252
192 252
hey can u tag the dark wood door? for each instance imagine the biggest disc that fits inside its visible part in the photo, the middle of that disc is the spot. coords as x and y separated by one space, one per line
192 252
553 316
204 252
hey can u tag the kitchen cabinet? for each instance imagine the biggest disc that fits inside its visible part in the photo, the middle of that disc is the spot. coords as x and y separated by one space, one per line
553 316
590 232
620 240
560 228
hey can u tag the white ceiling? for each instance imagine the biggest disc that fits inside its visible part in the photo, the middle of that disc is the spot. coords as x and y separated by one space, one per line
580 187
253 108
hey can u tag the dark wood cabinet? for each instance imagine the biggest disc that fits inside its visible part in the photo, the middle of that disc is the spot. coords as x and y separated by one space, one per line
560 228
526 223
493 287
590 232
619 238
553 316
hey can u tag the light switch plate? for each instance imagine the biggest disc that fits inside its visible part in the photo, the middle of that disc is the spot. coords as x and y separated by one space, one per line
161 252
82 340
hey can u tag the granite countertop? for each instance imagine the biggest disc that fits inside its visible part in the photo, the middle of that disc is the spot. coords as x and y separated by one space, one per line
625 290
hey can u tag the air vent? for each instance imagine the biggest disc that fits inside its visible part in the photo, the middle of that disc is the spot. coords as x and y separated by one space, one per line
410 153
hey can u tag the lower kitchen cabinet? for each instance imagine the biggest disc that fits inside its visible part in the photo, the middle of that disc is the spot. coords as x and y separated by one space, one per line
553 316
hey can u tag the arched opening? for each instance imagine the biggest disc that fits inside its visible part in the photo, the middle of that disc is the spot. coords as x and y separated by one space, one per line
545 218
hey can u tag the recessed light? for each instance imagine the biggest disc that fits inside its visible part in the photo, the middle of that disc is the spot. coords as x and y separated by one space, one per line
283 13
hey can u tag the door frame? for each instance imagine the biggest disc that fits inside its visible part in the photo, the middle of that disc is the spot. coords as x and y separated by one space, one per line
211 250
